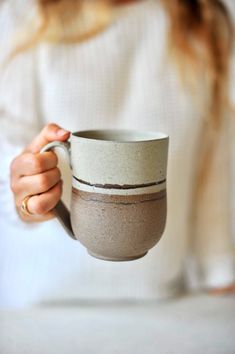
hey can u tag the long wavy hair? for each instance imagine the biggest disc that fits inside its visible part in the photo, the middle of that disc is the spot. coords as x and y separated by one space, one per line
200 38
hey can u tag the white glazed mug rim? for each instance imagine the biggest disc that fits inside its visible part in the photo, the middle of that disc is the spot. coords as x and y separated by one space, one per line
142 136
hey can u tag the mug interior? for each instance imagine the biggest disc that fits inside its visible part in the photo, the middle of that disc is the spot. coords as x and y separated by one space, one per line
124 136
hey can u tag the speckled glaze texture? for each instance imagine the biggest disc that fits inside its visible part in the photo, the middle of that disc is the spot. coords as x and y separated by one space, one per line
118 205
115 227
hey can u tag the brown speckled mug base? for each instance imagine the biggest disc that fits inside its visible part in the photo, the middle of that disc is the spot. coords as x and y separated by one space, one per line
118 227
118 259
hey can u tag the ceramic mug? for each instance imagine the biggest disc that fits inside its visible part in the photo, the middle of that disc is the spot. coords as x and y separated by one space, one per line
118 204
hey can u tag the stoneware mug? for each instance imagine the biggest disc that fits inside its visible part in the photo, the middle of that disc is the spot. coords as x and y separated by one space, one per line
118 204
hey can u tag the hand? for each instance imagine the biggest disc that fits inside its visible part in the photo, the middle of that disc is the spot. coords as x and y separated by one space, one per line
225 290
36 175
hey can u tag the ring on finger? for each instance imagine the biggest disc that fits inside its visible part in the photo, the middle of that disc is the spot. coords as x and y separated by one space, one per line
24 206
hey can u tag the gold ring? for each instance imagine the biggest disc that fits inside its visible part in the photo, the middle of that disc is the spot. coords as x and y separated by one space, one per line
24 206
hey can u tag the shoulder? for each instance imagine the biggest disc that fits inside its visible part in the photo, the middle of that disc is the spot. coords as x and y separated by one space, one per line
14 21
18 75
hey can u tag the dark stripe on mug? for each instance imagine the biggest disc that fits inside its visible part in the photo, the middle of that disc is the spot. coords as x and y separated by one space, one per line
117 186
118 199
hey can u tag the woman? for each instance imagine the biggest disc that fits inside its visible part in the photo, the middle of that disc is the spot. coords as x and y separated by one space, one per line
152 65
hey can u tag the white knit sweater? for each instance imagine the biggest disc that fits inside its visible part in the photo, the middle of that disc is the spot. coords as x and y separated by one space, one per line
121 78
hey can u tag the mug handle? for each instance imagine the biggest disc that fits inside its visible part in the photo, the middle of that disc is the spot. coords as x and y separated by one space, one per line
61 211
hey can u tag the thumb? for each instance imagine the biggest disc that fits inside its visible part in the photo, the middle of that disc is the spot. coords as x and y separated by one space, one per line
49 133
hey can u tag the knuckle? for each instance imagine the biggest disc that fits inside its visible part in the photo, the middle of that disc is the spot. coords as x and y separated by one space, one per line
39 207
14 186
43 181
51 127
49 159
35 163
14 165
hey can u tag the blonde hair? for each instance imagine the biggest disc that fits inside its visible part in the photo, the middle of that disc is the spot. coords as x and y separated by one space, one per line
200 35
66 21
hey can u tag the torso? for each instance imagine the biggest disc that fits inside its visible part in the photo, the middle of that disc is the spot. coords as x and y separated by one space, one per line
122 78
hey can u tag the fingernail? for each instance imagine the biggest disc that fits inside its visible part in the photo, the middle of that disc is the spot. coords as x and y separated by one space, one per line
62 132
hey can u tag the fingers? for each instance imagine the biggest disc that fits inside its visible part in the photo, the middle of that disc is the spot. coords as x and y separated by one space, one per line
49 133
44 203
32 164
32 185
37 218
37 174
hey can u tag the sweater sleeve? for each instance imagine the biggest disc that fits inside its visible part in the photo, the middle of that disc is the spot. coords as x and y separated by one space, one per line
214 245
215 240
215 233
18 107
